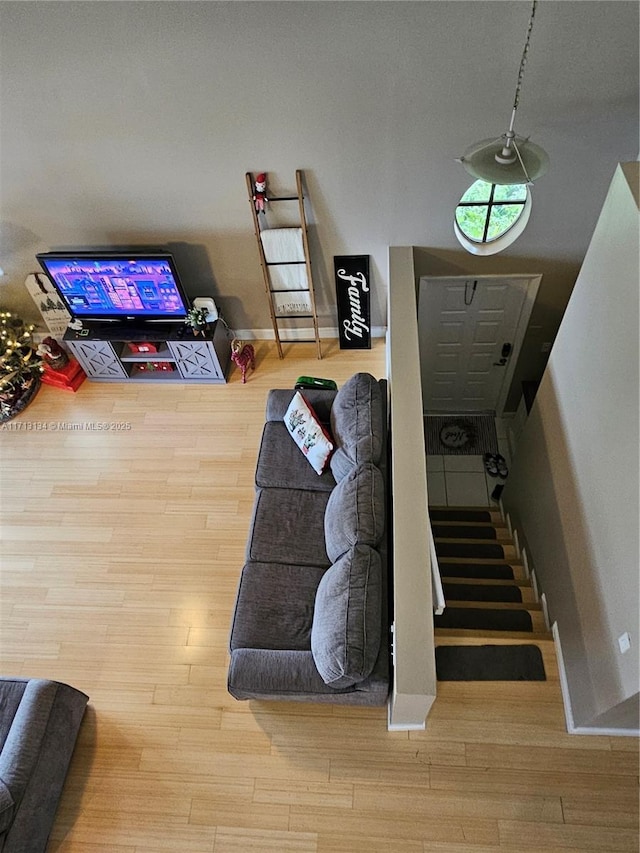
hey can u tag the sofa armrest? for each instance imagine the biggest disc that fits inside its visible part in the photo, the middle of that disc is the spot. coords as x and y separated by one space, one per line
22 747
256 673
319 399
35 759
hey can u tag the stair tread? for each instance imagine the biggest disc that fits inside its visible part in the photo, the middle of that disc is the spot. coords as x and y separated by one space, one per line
468 541
501 638
491 618
519 582
532 606
453 523
531 636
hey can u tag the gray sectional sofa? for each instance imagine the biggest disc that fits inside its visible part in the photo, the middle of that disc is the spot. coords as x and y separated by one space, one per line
39 723
311 619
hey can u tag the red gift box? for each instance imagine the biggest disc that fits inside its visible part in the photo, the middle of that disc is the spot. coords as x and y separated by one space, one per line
142 347
69 378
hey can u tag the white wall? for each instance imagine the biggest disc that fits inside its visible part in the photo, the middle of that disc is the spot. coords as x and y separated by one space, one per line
132 122
573 490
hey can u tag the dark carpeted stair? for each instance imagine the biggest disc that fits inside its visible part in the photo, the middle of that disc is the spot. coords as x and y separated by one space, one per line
470 549
463 531
480 592
483 619
463 515
489 663
490 571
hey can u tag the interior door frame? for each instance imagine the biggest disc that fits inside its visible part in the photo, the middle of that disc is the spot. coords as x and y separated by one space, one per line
531 292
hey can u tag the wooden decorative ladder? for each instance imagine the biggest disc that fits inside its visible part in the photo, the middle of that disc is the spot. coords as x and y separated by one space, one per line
278 272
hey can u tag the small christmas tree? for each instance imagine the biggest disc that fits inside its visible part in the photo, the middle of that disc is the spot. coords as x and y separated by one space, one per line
20 366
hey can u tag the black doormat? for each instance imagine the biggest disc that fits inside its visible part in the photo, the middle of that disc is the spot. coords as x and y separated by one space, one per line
481 619
489 663
460 435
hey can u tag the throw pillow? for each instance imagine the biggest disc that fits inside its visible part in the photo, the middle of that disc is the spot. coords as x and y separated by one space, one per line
308 433
355 511
346 628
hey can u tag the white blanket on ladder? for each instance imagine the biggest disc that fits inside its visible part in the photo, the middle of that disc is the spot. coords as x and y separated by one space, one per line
288 277
282 245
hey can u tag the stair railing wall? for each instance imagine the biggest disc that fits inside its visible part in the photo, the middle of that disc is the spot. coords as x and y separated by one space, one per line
414 671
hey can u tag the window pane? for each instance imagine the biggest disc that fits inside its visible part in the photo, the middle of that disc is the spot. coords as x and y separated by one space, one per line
471 221
502 218
480 191
510 192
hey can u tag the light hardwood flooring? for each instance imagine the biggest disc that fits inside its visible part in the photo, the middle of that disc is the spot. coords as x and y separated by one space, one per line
121 551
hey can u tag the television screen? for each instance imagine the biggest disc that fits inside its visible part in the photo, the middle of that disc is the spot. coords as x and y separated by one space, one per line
117 286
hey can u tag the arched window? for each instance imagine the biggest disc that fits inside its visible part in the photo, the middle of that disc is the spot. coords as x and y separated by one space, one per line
490 217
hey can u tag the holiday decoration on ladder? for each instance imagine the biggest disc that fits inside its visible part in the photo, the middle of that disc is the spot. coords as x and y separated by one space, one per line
260 192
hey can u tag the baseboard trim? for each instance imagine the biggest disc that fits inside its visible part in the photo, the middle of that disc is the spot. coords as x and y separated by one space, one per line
302 334
566 700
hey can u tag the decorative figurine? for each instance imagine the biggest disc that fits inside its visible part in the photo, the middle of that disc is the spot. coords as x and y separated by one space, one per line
52 353
260 192
243 356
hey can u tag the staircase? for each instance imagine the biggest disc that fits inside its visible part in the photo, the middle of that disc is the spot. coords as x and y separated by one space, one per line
492 626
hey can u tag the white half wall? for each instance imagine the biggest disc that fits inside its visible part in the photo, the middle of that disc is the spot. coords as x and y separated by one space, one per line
573 491
414 670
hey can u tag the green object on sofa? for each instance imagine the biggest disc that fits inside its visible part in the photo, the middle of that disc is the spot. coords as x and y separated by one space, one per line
311 382
39 723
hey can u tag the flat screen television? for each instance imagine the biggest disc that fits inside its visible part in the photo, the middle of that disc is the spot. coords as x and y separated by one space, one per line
117 286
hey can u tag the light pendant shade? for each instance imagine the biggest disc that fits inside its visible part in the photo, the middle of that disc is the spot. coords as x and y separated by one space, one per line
509 159
527 163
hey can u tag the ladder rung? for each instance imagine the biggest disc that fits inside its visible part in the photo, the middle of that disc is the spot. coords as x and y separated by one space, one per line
283 263
293 316
283 198
292 290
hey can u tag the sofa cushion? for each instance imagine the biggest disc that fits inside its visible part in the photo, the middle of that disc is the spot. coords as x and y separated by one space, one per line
281 465
308 433
345 636
288 527
355 511
274 607
356 424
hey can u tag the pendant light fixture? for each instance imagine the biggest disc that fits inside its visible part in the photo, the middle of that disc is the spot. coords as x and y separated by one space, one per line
509 159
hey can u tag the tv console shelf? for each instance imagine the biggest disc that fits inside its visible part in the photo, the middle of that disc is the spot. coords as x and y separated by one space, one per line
105 353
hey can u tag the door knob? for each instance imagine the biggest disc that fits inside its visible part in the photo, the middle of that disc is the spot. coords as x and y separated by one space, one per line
504 355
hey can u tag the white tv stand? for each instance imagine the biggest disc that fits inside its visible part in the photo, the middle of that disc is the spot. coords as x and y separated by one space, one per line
105 355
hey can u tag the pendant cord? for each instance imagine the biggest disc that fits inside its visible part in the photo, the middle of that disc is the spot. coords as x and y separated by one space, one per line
525 52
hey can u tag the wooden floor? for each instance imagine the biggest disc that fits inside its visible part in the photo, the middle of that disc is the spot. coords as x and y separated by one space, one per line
121 552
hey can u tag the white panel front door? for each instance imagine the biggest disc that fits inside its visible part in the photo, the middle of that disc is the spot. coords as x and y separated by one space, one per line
465 327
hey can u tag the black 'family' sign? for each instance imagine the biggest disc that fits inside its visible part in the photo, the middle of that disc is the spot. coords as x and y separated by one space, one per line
352 292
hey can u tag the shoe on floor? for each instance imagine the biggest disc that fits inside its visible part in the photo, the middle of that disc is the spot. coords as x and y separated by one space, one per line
491 464
501 465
